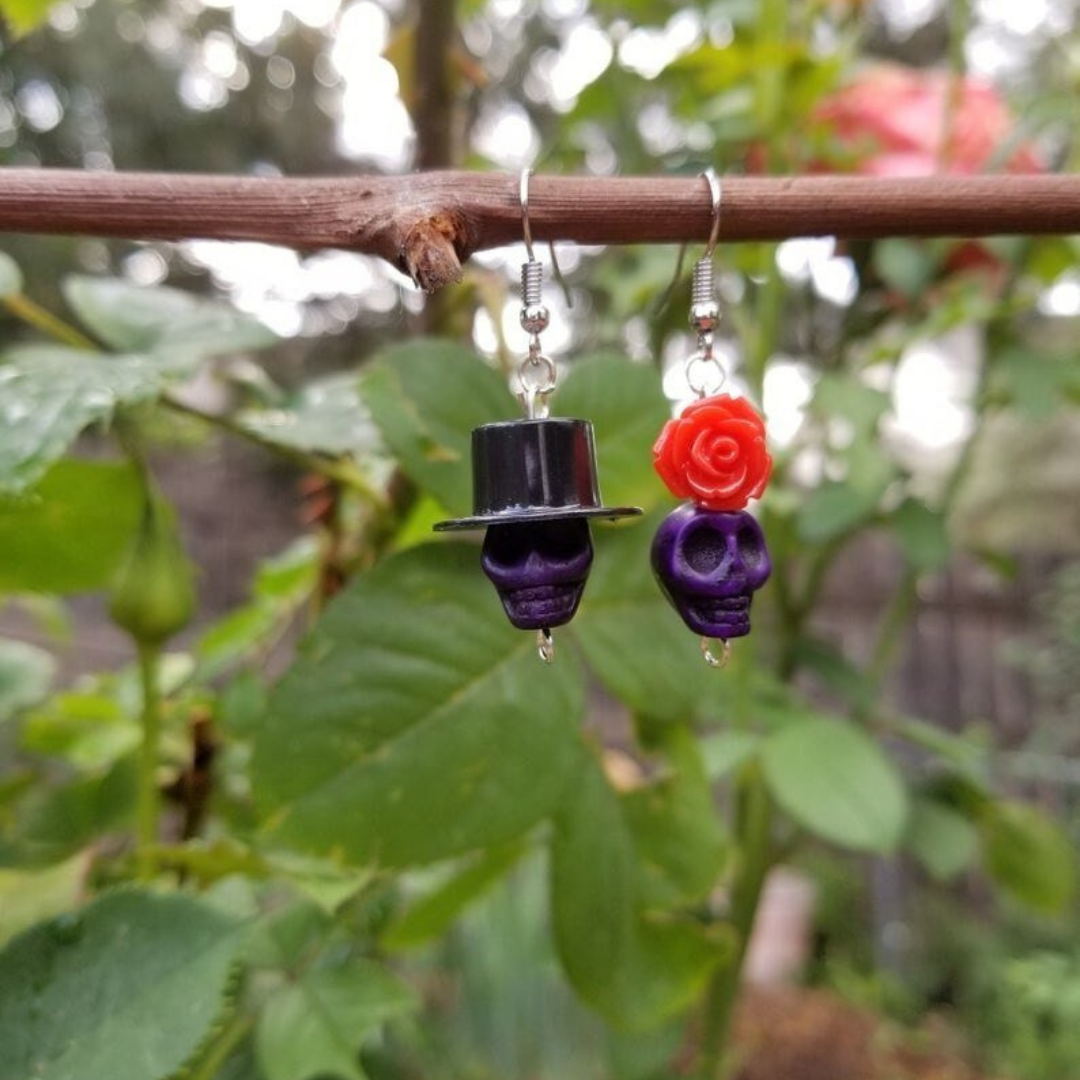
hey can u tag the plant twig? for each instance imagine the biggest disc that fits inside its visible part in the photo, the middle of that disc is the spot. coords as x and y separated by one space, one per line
433 110
338 469
753 827
148 804
234 1033
427 224
33 314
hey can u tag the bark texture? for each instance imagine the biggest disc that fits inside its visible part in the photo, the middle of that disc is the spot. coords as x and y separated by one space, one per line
428 224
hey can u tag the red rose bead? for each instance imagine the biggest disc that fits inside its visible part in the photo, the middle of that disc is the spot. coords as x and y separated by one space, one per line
714 453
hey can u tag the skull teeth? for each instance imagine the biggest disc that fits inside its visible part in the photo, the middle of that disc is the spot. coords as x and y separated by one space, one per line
541 605
727 604
539 594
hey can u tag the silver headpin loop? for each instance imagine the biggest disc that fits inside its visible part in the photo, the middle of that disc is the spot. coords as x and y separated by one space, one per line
704 372
537 372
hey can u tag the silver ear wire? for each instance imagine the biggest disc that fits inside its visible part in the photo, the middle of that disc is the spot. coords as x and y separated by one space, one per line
523 196
537 371
703 371
716 193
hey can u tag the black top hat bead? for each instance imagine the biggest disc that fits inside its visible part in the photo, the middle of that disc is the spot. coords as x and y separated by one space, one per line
534 470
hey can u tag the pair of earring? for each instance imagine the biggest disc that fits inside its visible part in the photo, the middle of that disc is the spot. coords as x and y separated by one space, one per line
535 486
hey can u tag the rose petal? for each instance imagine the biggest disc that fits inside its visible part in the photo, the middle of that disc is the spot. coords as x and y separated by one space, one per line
682 439
722 451
715 451
711 486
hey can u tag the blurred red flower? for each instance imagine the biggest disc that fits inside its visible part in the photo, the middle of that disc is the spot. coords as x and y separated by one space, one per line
892 121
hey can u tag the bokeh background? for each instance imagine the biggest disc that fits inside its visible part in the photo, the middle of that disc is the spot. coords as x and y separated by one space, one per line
922 397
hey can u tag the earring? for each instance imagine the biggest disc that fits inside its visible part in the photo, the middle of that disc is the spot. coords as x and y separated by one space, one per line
535 486
709 555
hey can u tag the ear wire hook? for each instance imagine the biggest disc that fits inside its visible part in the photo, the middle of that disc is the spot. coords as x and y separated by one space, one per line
716 193
523 196
704 373
537 372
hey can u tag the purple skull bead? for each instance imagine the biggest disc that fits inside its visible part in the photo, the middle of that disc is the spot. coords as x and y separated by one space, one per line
539 568
709 564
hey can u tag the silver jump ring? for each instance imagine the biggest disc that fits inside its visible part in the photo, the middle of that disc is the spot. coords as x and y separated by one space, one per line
711 658
544 372
537 375
703 362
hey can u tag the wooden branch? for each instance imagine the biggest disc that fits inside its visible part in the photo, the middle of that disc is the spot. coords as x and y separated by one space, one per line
433 109
427 224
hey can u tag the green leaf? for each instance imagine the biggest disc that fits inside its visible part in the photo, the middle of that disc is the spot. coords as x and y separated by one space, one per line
836 672
325 882
636 968
431 916
426 398
1038 382
428 729
288 936
314 1025
241 704
56 821
676 830
634 640
726 751
125 989
327 416
1051 256
834 509
25 674
592 886
627 407
68 534
282 584
905 265
967 750
29 896
870 470
88 730
1029 856
24 15
167 322
241 1064
922 536
11 279
50 393
843 395
941 838
834 780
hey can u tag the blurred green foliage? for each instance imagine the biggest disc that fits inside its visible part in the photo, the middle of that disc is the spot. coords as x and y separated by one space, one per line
414 796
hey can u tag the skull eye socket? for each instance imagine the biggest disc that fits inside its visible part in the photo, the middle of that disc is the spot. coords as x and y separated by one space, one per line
564 539
704 551
751 550
507 545
556 541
